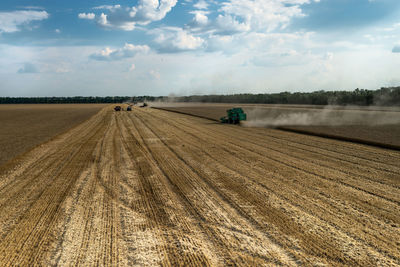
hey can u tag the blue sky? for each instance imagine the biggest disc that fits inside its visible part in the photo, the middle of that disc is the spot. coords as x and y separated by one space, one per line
181 47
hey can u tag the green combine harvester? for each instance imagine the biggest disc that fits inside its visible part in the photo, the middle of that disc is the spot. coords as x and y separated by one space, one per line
234 116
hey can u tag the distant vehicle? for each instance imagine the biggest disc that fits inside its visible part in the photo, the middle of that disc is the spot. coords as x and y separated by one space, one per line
144 105
234 116
129 108
117 108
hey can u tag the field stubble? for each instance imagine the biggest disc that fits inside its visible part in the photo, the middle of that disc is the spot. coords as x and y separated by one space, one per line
150 187
374 125
24 126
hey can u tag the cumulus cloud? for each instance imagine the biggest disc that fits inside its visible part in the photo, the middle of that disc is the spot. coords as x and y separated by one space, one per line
199 23
263 14
201 4
11 21
86 15
236 16
172 39
396 49
126 18
128 51
28 68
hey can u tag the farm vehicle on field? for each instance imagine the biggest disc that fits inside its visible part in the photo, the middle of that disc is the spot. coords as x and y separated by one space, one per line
234 116
119 108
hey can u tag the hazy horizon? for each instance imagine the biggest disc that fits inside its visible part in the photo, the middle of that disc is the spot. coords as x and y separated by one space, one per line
188 47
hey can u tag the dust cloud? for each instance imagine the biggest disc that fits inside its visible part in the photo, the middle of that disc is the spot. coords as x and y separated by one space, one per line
329 116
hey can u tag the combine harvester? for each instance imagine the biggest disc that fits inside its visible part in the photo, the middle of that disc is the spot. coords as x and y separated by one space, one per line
234 116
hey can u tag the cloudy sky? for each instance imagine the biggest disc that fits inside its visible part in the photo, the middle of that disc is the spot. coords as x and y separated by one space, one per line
162 47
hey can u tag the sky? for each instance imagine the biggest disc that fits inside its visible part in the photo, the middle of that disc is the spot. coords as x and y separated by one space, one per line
185 47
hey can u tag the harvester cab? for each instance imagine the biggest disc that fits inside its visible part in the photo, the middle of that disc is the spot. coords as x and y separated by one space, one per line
129 108
234 116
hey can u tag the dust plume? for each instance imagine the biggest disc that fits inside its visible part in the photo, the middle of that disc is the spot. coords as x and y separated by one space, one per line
328 116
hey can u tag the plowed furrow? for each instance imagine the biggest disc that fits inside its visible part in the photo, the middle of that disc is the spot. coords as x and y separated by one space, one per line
344 178
197 153
375 171
45 210
199 210
154 188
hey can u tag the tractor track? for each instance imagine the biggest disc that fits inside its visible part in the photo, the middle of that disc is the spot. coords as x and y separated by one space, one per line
298 158
223 196
150 187
276 190
221 149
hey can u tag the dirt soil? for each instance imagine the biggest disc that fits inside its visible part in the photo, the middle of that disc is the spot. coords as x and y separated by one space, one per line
25 126
151 187
371 124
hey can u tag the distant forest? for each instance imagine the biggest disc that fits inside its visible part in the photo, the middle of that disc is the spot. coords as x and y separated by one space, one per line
361 97
75 99
389 96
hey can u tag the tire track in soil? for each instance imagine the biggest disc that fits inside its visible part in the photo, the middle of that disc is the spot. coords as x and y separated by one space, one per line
196 136
389 157
267 142
232 201
239 158
161 217
16 246
191 204
152 188
299 159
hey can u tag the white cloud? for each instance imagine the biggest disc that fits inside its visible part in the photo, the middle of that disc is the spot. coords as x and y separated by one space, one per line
57 31
199 22
151 10
237 16
228 25
172 39
109 7
11 21
201 4
263 14
86 15
126 18
128 51
200 18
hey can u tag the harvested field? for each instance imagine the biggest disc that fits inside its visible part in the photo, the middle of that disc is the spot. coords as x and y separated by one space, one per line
380 125
24 126
151 187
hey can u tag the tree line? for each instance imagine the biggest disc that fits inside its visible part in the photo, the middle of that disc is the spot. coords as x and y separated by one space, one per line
384 97
389 96
75 99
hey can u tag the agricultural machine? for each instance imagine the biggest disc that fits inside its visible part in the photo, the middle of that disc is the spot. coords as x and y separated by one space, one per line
117 108
129 108
234 116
